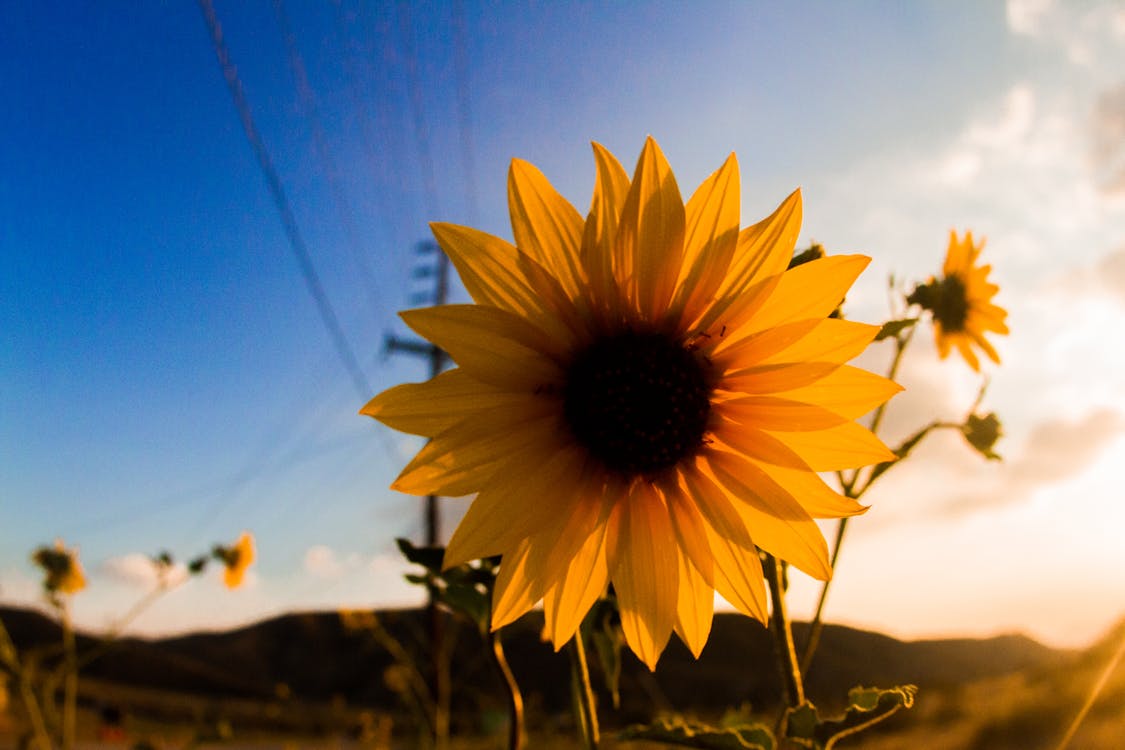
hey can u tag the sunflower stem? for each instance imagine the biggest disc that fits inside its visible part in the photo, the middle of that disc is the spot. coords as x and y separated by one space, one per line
585 702
783 632
515 698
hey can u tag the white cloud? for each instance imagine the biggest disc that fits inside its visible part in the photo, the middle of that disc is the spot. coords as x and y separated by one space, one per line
140 571
1085 32
321 562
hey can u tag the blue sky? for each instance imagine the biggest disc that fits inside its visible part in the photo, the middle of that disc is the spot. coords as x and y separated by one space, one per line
166 380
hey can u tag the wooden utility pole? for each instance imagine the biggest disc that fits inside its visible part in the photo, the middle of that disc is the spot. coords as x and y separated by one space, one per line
440 687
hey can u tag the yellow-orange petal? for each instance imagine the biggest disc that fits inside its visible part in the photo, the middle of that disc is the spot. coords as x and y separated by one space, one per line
695 605
433 406
710 239
810 290
460 460
545 225
646 577
493 346
848 391
844 446
781 526
760 257
501 516
611 185
649 246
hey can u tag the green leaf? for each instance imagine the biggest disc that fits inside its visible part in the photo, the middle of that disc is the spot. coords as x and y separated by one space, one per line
867 707
892 328
679 731
469 601
982 433
428 557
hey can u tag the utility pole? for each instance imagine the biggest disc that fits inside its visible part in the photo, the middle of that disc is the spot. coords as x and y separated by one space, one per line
438 270
433 265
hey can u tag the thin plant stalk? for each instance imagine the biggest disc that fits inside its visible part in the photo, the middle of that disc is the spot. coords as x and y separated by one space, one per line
783 633
70 684
10 658
585 701
515 698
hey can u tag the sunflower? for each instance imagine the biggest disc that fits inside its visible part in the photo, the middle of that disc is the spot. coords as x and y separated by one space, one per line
961 303
640 398
62 571
236 560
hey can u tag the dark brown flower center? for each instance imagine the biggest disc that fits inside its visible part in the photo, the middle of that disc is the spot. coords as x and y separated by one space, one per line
638 401
951 308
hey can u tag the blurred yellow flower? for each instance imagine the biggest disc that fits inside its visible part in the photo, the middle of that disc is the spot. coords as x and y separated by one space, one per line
237 560
961 303
641 397
63 572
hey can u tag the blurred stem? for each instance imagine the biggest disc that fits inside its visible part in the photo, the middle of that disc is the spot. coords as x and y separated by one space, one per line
783 632
585 702
10 658
848 485
70 685
515 698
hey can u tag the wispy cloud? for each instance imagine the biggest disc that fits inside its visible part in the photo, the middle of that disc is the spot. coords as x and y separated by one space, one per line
1055 450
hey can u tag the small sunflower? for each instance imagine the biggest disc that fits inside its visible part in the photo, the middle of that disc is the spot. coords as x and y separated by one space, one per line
63 572
641 397
236 559
961 303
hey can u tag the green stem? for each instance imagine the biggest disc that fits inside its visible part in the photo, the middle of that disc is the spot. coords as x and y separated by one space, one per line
587 706
783 632
70 685
515 698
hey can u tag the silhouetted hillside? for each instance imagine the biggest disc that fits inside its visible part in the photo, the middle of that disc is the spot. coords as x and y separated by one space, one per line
319 660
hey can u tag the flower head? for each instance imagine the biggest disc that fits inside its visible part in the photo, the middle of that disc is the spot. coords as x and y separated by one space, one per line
63 572
641 398
961 303
236 559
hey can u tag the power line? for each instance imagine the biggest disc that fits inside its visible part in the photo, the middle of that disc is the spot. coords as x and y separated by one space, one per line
464 111
296 242
308 102
421 132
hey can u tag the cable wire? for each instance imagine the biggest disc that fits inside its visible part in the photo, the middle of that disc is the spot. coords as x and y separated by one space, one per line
296 241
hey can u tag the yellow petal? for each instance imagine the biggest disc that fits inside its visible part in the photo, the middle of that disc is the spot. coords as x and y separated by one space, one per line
830 340
710 238
646 578
738 575
848 391
816 497
811 290
695 606
493 346
758 444
610 188
714 508
761 255
780 525
568 601
772 413
461 460
436 405
776 377
846 446
514 593
650 237
516 504
545 225
732 353
689 528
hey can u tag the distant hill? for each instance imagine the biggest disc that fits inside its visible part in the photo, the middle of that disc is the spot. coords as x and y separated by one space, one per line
318 660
